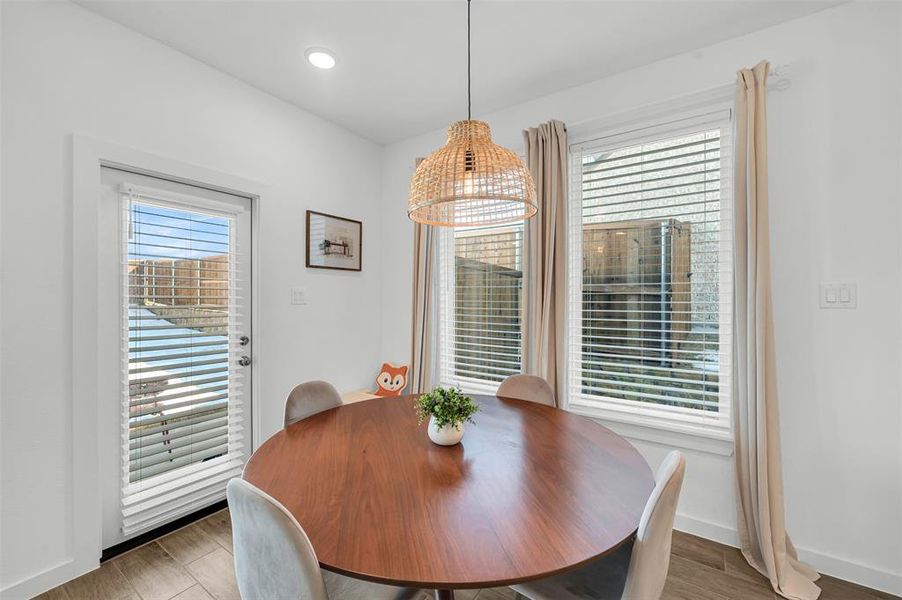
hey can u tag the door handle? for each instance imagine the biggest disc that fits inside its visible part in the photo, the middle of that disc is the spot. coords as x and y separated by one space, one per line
244 340
244 361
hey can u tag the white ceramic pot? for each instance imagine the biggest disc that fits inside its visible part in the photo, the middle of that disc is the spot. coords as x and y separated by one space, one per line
447 435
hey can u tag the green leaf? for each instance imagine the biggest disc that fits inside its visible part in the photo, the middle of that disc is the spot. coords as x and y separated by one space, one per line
449 407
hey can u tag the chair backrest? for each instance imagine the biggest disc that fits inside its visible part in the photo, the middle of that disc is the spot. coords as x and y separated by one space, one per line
310 398
527 387
273 556
651 550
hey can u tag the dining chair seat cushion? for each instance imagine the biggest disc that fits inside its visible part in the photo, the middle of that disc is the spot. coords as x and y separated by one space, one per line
602 579
341 587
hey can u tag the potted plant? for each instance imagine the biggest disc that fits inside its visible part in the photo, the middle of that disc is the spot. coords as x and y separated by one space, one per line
447 410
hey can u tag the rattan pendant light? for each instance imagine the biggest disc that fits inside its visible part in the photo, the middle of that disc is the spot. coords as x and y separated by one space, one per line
471 180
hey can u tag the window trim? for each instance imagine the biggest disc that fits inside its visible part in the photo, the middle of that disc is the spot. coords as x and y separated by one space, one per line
664 424
93 335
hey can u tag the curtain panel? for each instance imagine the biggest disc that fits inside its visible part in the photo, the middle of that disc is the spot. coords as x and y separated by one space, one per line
759 474
422 351
546 294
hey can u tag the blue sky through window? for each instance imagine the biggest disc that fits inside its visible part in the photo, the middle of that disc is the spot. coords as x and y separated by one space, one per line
158 232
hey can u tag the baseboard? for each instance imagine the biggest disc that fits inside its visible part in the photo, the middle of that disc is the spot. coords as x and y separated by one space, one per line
162 530
49 578
841 568
706 529
70 569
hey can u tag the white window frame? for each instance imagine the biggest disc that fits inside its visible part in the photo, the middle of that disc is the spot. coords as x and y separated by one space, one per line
665 424
446 294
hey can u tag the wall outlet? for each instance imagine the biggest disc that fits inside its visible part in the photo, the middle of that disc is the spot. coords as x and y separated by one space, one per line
299 296
839 295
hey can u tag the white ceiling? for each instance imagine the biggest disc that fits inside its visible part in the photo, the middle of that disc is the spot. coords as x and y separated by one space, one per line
402 65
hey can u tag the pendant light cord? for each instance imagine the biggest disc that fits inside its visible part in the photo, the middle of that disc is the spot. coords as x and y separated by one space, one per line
469 98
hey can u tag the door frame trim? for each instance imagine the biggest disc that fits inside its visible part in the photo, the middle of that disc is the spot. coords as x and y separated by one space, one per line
84 539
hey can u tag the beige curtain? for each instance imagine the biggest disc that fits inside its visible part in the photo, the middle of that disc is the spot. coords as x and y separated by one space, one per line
759 475
546 158
421 352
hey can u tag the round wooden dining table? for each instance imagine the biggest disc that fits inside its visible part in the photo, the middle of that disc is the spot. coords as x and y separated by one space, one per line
531 491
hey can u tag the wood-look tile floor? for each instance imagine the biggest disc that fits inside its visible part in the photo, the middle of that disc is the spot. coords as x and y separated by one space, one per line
195 563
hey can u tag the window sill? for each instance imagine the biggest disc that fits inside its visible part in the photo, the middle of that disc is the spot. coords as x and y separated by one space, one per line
633 425
666 432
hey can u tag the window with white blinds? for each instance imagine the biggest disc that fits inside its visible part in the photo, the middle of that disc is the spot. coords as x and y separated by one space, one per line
182 274
480 300
651 273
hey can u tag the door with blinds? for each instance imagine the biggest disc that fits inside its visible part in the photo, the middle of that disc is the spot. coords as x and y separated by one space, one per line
182 415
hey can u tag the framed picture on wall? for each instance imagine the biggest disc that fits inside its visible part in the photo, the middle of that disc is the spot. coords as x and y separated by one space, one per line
333 242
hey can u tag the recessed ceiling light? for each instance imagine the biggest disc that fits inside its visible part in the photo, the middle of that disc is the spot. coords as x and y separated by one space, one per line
320 58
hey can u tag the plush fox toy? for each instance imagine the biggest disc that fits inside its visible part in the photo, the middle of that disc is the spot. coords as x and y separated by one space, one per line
392 380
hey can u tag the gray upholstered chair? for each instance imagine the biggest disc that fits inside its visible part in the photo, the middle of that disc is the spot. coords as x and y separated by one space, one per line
636 571
527 387
274 559
309 398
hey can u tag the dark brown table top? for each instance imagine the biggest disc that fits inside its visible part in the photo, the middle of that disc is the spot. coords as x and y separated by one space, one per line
531 491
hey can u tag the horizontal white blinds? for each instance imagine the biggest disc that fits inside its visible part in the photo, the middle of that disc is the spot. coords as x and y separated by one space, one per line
654 250
481 297
182 300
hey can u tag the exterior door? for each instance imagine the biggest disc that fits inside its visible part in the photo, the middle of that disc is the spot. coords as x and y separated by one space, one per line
177 427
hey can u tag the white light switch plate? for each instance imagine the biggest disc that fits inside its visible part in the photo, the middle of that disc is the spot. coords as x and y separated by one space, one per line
299 296
839 295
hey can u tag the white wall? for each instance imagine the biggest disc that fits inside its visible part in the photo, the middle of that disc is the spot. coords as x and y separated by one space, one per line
835 216
65 71
835 188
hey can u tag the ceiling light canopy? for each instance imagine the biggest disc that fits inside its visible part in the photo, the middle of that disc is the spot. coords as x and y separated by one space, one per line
320 58
471 180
